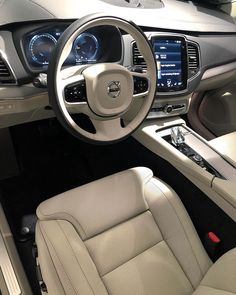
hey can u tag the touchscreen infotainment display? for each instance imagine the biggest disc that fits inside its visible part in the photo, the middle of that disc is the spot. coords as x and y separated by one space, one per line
170 54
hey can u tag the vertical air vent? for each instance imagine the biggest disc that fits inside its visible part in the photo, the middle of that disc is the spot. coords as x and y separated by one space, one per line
6 75
193 59
138 60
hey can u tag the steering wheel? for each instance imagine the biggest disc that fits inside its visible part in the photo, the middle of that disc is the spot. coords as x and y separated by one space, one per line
110 90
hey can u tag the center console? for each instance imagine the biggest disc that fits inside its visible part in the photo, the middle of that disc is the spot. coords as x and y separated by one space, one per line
197 159
210 165
195 148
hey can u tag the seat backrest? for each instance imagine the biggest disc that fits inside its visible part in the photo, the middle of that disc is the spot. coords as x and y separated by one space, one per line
125 234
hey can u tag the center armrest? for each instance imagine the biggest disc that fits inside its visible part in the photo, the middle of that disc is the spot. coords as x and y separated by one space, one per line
226 146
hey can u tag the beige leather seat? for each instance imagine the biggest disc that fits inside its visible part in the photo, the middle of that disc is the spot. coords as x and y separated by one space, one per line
127 234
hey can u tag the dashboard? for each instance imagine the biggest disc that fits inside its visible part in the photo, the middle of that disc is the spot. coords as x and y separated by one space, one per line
177 57
194 50
171 53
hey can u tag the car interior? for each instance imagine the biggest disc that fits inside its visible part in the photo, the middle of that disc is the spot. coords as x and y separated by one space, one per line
117 147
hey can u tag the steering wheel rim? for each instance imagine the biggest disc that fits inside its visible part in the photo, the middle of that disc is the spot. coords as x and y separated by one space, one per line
107 120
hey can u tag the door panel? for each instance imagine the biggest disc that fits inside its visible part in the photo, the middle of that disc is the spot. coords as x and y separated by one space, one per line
230 8
217 110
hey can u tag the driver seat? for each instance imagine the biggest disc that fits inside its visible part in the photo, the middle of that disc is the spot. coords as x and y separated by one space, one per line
126 234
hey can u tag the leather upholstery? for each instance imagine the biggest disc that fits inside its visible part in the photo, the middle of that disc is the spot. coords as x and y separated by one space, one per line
125 234
225 145
100 205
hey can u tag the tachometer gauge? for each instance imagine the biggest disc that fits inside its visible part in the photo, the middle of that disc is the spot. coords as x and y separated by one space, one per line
86 48
41 47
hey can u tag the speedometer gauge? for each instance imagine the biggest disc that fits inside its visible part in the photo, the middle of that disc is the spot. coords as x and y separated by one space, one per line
41 47
86 48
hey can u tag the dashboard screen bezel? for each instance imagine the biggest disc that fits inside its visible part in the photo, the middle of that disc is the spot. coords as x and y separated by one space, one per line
184 63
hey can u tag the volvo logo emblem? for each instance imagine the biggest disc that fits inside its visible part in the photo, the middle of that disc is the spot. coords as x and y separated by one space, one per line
113 89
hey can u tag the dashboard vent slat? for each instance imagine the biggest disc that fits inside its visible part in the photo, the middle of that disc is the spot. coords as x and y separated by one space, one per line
138 60
6 75
193 59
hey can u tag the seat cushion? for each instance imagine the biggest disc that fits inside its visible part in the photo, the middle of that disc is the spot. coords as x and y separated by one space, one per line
125 234
221 277
203 290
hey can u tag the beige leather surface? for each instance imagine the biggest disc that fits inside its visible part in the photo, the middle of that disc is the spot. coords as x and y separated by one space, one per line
90 208
126 234
226 146
226 189
154 271
203 290
126 240
220 278
222 275
68 267
177 230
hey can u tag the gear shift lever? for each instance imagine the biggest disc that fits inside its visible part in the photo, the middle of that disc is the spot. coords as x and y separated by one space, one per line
177 136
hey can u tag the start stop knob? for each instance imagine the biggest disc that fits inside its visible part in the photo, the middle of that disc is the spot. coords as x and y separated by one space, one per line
168 108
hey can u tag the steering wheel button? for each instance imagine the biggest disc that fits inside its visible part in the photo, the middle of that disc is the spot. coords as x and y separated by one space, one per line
140 85
75 92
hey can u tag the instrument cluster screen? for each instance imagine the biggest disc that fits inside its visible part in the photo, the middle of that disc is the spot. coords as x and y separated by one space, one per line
98 44
171 58
39 47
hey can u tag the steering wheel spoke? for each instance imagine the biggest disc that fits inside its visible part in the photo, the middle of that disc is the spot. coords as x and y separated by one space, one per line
107 129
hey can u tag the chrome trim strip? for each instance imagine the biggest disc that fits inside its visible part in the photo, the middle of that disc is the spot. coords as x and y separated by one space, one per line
7 270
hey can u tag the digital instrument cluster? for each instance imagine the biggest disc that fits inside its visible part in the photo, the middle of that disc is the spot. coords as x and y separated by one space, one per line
91 46
39 46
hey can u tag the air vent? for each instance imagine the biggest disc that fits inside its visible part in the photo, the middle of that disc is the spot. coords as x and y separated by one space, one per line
193 59
138 60
6 75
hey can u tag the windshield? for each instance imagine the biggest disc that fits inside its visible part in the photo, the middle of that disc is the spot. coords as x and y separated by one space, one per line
217 2
136 3
159 3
